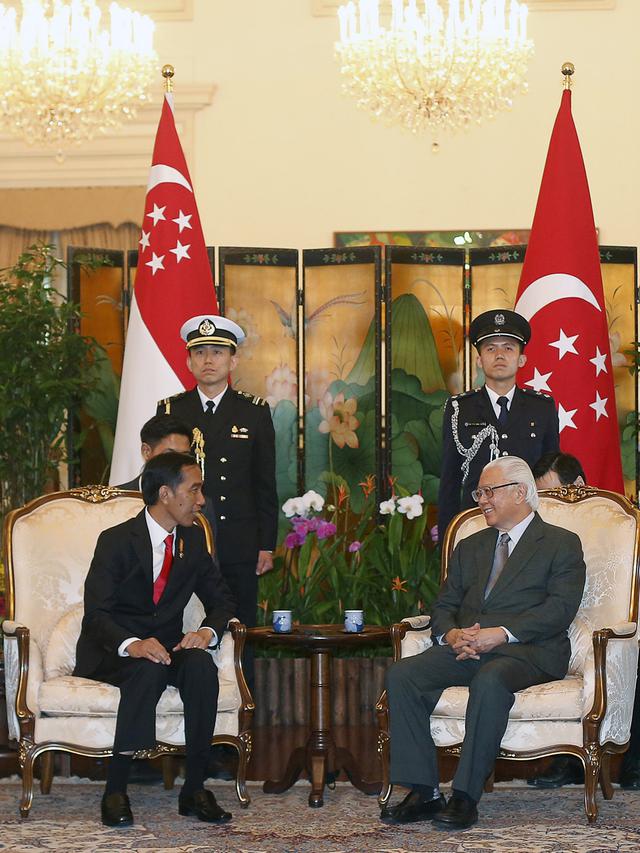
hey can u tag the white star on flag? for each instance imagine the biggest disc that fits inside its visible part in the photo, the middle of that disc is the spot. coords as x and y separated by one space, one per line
539 381
565 418
599 361
564 344
155 263
183 220
181 251
144 240
599 406
157 213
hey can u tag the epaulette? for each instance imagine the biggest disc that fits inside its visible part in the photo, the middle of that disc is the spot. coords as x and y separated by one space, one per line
464 394
532 393
168 400
257 401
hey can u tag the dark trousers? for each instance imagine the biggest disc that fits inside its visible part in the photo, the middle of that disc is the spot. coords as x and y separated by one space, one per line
243 583
414 686
142 683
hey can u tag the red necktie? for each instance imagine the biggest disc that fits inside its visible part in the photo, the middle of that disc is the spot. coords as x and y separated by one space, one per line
161 581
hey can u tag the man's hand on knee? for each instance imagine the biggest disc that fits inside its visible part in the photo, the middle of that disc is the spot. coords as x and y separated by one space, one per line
195 640
150 649
461 641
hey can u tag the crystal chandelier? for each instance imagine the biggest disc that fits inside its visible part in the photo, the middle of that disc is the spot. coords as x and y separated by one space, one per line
63 76
434 64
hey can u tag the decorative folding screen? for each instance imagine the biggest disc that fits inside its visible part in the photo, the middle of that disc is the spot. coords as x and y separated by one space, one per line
424 359
99 292
258 288
342 308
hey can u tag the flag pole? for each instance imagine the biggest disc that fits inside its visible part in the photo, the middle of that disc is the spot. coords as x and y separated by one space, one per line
568 69
168 71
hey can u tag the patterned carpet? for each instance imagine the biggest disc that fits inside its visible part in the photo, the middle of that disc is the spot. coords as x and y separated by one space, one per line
512 820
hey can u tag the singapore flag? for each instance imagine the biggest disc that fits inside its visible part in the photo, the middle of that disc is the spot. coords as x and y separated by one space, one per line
561 294
173 282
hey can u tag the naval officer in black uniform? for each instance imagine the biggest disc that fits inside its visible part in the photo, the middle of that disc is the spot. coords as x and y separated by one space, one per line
499 419
234 442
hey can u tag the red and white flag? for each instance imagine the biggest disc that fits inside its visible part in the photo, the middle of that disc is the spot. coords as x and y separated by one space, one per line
173 283
561 295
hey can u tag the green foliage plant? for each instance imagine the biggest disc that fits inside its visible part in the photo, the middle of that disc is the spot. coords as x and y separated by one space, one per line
46 367
381 558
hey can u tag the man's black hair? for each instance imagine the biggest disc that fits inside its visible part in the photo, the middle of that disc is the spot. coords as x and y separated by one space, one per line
165 469
567 467
161 426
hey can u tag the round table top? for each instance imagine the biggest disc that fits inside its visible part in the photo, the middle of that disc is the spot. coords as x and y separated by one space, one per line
319 636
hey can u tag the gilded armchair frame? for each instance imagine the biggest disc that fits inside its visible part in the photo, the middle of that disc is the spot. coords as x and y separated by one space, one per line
28 749
595 756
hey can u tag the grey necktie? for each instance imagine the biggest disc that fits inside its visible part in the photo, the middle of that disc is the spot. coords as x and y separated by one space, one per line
499 559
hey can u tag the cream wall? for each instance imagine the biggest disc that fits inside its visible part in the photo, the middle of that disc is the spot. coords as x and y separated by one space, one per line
283 159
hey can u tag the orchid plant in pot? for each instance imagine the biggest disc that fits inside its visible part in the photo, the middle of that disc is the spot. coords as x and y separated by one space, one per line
380 559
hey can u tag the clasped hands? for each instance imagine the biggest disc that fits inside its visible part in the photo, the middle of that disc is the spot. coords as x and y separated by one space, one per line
473 641
153 650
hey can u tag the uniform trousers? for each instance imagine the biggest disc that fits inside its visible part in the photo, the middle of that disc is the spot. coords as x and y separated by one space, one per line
142 683
414 686
243 583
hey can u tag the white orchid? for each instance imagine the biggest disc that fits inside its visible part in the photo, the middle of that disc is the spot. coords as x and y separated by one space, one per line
411 506
294 506
388 507
312 500
303 504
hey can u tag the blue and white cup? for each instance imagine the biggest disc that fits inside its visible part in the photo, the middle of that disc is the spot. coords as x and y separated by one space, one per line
353 621
282 621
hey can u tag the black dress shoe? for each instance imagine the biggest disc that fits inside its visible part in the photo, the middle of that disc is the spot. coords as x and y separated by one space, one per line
412 809
630 773
203 805
563 770
458 814
116 810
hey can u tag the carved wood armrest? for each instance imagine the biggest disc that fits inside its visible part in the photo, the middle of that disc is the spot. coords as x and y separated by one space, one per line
26 717
247 705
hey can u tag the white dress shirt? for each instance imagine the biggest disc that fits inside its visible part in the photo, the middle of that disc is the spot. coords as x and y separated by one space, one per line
216 400
493 397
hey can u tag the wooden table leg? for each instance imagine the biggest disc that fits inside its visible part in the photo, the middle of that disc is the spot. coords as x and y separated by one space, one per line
296 764
346 762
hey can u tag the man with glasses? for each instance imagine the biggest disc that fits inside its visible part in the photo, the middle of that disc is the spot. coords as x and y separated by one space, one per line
499 625
498 419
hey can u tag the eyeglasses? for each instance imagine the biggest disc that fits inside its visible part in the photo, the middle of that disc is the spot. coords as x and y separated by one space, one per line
487 491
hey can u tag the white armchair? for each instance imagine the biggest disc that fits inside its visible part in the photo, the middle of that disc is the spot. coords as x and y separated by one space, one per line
588 713
47 548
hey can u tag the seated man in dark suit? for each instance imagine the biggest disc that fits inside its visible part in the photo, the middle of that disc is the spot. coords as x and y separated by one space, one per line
499 625
142 575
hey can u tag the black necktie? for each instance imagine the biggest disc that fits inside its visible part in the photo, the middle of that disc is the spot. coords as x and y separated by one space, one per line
499 559
210 407
502 417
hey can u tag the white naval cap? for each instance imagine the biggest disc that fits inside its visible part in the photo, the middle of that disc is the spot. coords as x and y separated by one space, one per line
211 329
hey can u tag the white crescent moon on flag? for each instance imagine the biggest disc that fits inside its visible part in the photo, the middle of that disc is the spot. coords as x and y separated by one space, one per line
551 288
161 174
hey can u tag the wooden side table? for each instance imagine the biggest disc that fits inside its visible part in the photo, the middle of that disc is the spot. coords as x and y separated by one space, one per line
320 755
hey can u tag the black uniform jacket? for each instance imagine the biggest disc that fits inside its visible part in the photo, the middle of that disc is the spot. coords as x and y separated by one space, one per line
118 593
239 469
530 431
536 596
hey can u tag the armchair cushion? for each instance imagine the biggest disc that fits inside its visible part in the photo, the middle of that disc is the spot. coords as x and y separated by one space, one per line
553 700
60 657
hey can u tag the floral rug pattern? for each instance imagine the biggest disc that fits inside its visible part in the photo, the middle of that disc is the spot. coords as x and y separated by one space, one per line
512 820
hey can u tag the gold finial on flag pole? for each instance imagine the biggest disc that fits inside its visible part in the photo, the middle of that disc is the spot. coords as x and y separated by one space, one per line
568 68
167 72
